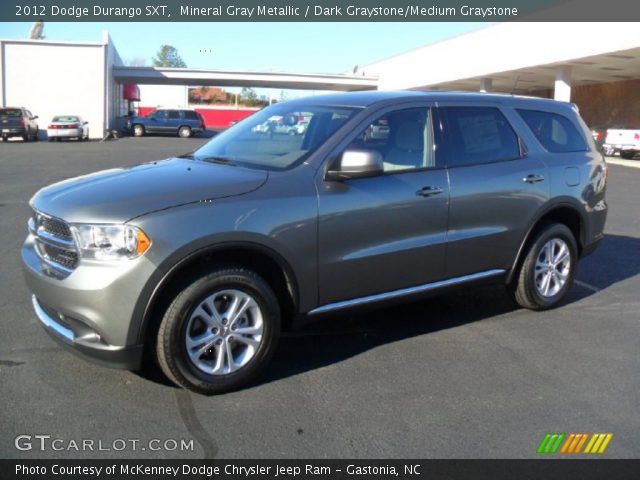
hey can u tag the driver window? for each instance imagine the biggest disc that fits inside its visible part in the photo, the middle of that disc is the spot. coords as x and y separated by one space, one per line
404 138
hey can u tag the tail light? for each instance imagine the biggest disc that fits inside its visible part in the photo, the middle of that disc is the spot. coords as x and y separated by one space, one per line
51 126
636 136
73 125
24 122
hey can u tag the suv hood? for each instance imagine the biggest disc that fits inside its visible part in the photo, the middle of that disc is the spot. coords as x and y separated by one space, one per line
119 195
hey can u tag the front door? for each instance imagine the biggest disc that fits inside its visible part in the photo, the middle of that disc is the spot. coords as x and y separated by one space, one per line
388 232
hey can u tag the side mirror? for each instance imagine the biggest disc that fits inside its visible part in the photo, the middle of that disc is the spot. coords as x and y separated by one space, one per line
356 164
34 117
85 123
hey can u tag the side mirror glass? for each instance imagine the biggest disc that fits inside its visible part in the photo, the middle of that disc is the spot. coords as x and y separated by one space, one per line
356 164
35 117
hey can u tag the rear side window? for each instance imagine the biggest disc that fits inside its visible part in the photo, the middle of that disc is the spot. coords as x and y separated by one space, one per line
479 135
190 115
174 114
555 132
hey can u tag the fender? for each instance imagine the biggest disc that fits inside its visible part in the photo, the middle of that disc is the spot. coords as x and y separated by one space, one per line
561 202
162 276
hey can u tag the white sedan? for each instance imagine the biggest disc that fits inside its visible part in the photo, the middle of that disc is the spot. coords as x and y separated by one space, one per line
68 126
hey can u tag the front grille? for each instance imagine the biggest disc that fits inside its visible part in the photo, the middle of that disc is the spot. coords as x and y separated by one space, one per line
56 228
54 243
64 257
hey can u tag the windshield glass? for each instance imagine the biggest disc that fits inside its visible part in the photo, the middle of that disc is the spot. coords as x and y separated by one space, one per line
272 139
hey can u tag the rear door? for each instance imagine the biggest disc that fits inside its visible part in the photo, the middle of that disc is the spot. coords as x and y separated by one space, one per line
496 187
174 120
388 232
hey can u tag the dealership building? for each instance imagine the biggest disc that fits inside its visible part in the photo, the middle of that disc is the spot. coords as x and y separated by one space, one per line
597 66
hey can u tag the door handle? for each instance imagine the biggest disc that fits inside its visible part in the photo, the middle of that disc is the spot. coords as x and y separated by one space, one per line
428 191
533 178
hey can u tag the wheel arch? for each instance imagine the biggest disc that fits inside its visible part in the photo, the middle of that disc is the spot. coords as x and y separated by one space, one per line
566 213
263 260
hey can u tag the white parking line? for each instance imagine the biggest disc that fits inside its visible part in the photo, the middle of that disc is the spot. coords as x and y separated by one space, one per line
586 285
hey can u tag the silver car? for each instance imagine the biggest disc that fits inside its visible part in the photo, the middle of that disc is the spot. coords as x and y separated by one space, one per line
68 126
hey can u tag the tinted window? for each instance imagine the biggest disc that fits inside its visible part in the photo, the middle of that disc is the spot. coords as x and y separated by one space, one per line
173 114
555 132
10 112
190 114
404 138
479 135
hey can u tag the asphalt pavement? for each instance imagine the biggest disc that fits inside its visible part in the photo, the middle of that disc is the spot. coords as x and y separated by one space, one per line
466 375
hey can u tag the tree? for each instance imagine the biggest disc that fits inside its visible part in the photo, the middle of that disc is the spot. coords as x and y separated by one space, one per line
136 62
248 95
168 56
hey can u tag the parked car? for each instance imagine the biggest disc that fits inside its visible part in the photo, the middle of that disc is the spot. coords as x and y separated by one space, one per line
181 122
68 126
18 122
599 133
378 130
204 259
300 127
625 141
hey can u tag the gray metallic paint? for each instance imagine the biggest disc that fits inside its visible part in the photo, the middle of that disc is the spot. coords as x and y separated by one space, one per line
339 241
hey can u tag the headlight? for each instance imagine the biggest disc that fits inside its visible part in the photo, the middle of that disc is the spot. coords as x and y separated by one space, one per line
110 242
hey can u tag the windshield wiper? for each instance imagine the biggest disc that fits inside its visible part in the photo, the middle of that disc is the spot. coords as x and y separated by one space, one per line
220 160
187 155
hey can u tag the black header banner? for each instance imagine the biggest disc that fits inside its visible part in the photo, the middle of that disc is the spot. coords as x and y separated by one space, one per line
317 10
319 469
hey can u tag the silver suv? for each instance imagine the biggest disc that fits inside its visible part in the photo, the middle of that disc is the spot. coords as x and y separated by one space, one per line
204 259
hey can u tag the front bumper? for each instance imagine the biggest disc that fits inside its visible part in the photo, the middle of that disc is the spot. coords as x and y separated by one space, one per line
88 346
90 311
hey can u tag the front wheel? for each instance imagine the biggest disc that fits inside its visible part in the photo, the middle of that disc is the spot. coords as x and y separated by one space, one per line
548 269
220 332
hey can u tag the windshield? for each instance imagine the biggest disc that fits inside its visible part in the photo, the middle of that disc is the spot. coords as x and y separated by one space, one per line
271 138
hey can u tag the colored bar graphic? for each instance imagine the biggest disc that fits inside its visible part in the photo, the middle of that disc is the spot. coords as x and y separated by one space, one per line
551 442
598 443
573 442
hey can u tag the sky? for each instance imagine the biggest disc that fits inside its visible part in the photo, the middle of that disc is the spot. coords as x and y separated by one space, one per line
290 47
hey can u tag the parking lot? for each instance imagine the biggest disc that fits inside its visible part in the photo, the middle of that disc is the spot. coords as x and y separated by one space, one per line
466 375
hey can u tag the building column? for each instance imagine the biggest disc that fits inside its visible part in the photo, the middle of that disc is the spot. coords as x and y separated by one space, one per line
486 84
562 90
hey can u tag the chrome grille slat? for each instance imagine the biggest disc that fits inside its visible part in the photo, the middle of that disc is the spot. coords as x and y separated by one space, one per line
54 242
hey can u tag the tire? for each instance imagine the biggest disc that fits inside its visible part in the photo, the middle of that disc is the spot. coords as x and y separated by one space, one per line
189 359
184 132
541 284
26 137
292 133
627 155
138 130
49 139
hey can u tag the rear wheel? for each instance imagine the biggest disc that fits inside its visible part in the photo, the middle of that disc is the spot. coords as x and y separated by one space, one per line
26 137
184 132
627 155
138 131
220 332
548 269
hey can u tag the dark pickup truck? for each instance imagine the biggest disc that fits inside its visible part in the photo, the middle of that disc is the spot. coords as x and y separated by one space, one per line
18 122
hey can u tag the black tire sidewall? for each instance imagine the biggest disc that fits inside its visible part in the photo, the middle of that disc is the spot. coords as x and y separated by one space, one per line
184 129
552 231
181 310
